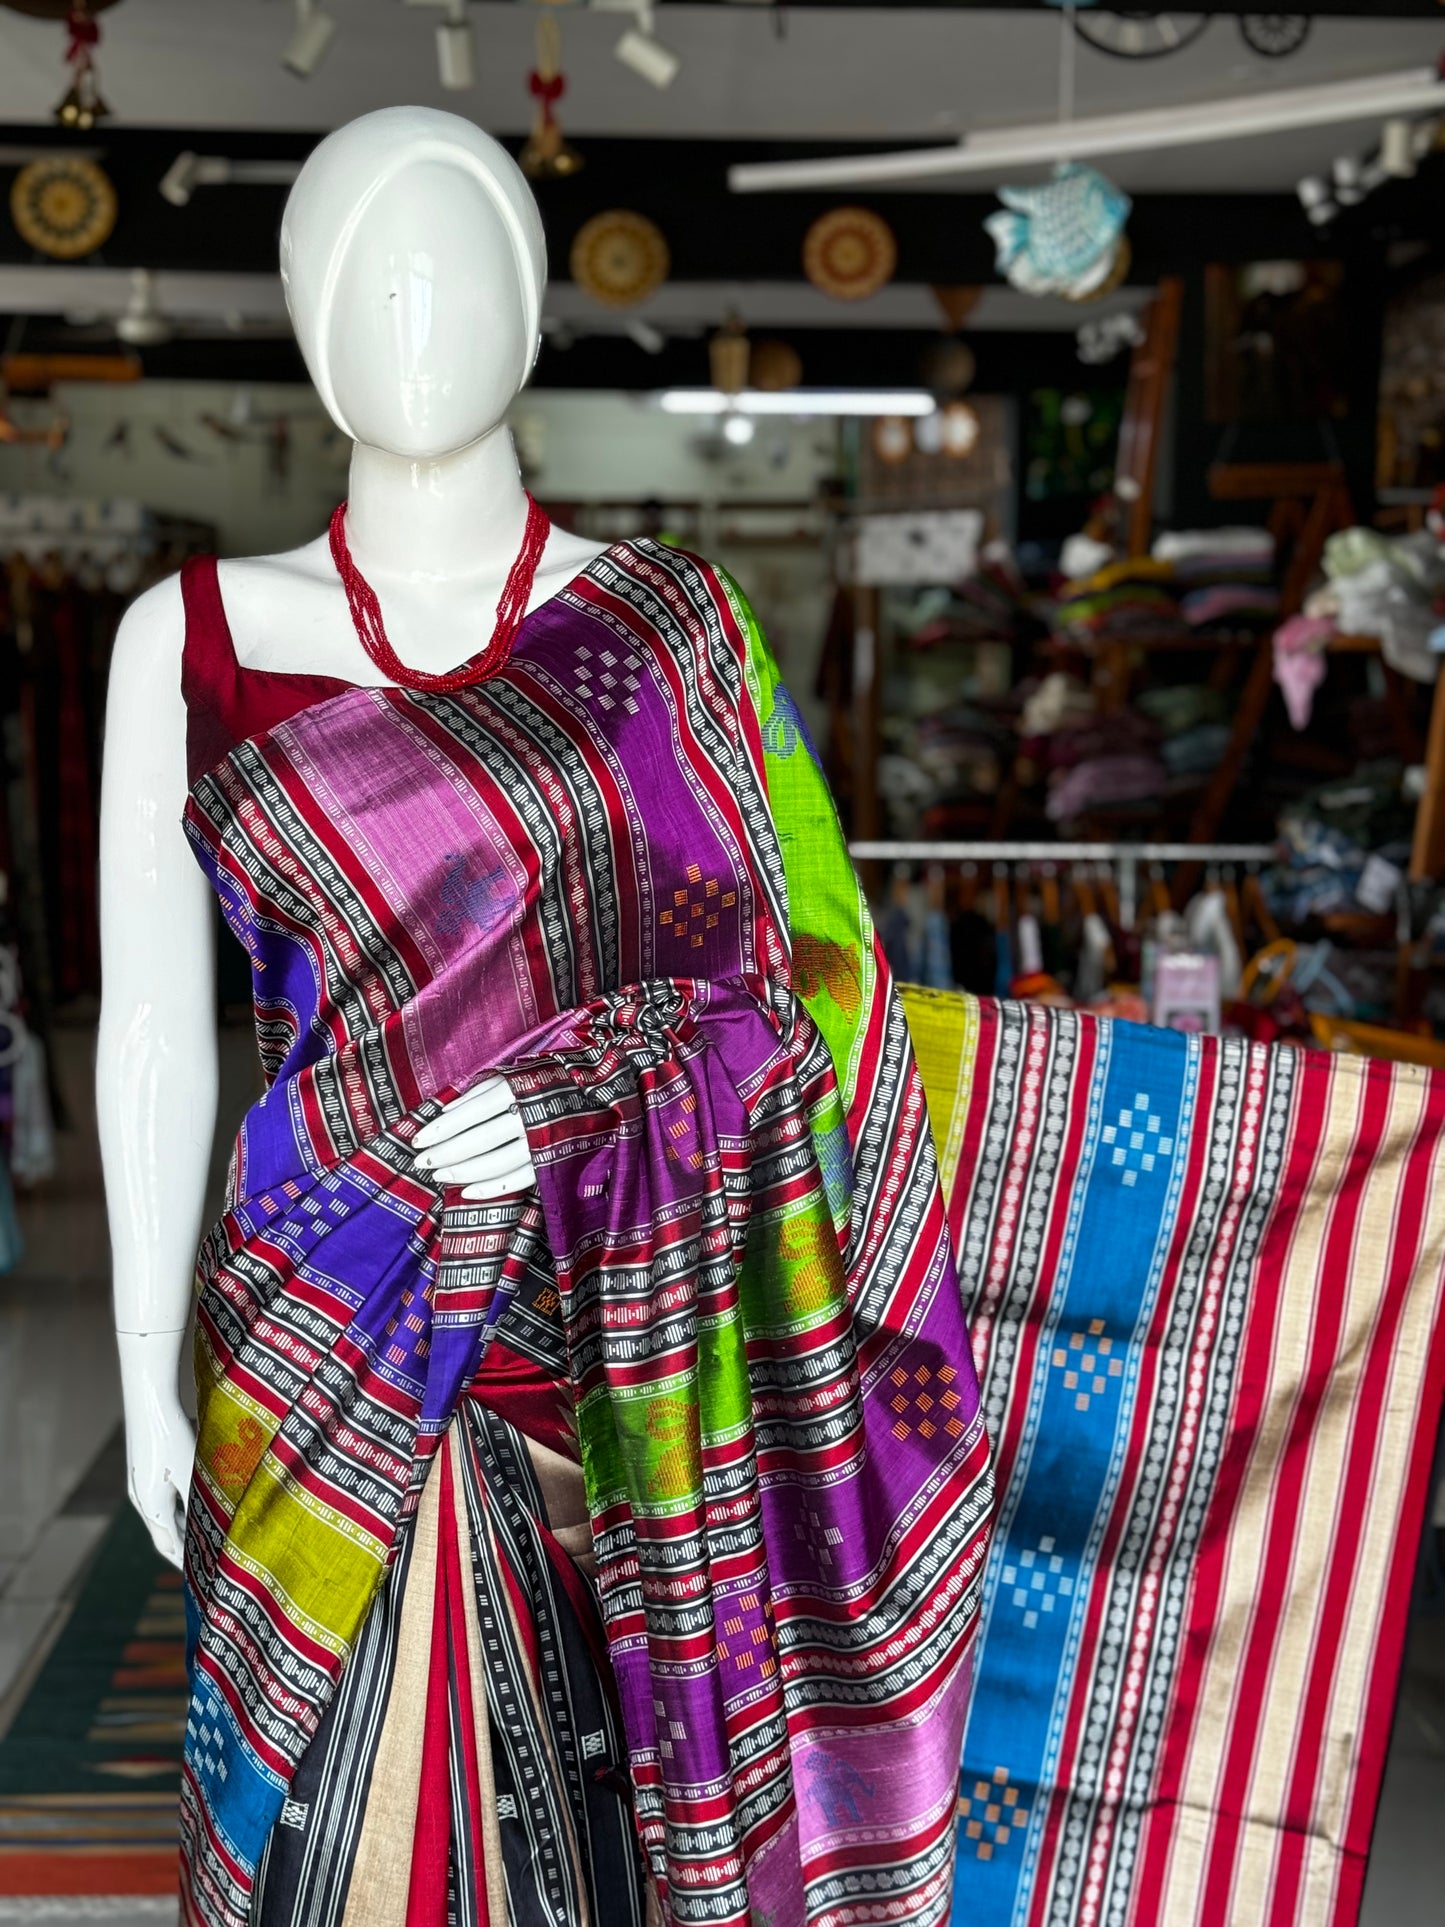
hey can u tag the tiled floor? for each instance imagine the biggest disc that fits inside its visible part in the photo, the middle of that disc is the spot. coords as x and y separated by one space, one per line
63 1475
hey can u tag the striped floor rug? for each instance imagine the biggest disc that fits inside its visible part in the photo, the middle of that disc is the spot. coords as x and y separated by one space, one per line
1205 1289
90 1765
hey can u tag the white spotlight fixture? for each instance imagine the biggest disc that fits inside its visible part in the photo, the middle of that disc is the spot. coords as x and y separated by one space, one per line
1397 148
456 51
189 171
639 48
178 183
738 429
798 401
314 31
650 340
1316 200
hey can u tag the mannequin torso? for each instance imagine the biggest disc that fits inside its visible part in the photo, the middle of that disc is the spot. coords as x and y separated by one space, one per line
414 269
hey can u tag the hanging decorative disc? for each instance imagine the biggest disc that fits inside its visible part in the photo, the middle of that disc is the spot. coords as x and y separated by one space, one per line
961 430
892 438
63 207
1140 36
948 366
849 253
775 366
619 258
1275 35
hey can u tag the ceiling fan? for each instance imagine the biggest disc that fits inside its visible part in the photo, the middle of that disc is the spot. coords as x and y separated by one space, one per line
146 322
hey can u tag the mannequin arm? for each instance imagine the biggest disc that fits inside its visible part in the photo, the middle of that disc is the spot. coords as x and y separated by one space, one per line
156 1062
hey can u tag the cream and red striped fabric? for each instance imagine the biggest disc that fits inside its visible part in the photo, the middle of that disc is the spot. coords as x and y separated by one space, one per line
1205 1289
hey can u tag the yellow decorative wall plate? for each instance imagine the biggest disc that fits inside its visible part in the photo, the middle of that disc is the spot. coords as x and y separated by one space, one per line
849 253
64 207
620 258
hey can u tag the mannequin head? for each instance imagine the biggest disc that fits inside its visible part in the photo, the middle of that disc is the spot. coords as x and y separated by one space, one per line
414 265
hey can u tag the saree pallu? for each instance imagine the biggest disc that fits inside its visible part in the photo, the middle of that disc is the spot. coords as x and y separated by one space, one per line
728 1314
1205 1286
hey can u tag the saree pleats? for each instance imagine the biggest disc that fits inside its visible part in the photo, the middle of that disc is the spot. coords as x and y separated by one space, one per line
469 1769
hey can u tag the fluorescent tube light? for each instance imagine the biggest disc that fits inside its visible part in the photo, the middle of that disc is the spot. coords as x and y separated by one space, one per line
798 401
1416 91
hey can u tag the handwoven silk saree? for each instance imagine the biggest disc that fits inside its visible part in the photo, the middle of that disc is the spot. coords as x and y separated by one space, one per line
613 873
1205 1281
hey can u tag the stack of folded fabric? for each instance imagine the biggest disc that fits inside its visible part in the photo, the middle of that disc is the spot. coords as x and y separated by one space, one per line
1057 702
1102 783
1109 760
1193 720
1224 577
937 771
1130 598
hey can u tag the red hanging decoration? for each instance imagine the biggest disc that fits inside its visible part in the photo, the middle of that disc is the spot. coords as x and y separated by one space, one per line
82 105
516 593
547 155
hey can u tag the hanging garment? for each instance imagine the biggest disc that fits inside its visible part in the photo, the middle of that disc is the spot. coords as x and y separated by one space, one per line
1205 1286
12 1244
716 1357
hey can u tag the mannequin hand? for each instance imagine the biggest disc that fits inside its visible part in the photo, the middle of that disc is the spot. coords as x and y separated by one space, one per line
160 1441
478 1143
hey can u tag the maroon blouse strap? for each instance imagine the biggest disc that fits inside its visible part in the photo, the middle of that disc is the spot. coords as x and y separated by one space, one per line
227 703
210 673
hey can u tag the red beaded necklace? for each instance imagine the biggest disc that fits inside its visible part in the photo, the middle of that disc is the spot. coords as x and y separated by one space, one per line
366 610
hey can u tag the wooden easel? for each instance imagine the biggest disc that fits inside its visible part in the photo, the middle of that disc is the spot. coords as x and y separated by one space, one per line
1310 501
1427 853
1142 419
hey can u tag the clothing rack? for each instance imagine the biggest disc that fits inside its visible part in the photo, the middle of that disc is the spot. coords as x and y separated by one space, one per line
1123 858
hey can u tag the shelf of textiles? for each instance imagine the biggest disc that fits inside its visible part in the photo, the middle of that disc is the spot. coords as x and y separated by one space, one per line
1099 708
1138 710
1276 945
951 660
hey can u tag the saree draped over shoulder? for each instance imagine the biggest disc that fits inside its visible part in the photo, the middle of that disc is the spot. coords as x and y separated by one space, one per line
612 1551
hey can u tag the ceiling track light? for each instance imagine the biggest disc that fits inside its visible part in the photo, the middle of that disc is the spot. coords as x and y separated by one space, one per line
312 35
1414 91
188 171
639 49
456 50
456 45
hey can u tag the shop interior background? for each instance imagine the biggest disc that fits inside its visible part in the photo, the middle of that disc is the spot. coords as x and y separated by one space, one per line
889 434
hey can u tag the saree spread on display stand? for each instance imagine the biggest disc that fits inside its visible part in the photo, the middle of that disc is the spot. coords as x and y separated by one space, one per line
1204 1282
616 1548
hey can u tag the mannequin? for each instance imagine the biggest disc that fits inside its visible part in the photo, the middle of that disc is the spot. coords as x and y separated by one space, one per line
549 1347
419 334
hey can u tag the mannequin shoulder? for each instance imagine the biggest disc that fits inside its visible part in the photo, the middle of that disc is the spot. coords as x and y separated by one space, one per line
286 611
565 557
251 578
151 637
